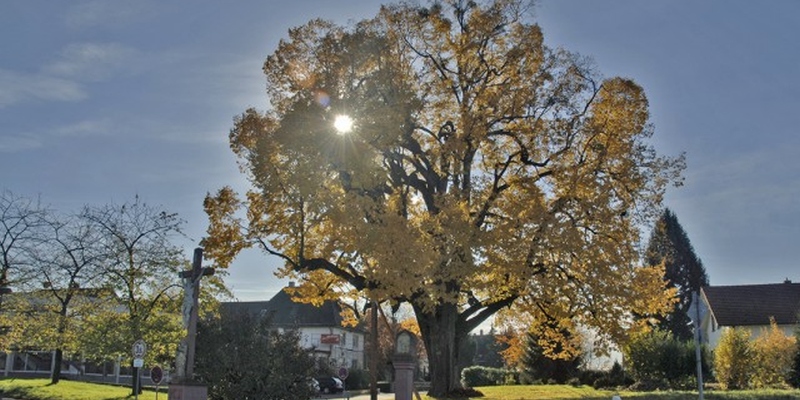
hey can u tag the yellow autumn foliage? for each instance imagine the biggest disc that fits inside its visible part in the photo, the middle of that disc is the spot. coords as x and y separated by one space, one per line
484 171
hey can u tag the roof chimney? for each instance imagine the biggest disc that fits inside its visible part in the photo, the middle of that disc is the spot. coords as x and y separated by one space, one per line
787 281
291 283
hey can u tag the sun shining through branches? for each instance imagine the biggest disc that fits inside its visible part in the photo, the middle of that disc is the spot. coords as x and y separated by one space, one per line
343 124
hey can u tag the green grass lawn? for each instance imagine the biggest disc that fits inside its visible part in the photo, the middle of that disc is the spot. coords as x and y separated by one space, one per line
40 389
558 392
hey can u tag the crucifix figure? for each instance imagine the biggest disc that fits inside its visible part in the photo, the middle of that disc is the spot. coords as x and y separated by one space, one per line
184 360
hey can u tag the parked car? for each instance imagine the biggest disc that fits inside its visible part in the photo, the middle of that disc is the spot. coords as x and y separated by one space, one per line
330 384
313 384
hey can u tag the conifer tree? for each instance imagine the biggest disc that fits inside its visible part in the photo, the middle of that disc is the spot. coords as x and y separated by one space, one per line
683 270
539 366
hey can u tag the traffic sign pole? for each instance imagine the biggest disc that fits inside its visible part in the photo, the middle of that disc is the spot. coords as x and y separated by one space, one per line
138 350
156 374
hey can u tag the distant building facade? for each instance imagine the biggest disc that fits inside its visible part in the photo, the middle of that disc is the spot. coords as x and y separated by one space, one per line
749 307
320 328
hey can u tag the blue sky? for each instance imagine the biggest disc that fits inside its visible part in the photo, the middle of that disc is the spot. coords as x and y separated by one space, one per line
103 100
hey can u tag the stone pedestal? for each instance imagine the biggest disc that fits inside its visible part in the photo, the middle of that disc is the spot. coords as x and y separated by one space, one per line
403 379
187 391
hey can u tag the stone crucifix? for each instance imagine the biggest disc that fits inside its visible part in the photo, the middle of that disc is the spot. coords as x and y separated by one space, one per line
184 360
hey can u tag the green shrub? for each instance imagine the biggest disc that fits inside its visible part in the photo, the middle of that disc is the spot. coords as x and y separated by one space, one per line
732 366
588 377
773 355
484 376
575 381
614 378
357 379
511 378
241 357
658 357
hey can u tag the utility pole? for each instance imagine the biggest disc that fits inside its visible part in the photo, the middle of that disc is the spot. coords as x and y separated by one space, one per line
697 352
373 359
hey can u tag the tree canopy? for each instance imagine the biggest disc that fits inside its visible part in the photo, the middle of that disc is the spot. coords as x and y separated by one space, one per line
92 283
483 170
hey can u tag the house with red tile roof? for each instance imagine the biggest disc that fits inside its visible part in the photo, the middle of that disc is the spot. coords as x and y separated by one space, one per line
750 307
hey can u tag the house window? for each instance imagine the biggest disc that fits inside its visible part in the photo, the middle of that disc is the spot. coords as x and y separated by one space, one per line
355 341
354 364
344 339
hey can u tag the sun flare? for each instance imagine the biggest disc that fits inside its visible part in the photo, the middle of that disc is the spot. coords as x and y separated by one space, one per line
343 124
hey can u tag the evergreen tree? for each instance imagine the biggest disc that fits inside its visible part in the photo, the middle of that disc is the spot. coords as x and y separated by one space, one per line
540 366
683 270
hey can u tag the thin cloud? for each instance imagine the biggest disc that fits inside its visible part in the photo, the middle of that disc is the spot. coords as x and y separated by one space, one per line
86 128
102 13
63 79
91 61
19 87
14 143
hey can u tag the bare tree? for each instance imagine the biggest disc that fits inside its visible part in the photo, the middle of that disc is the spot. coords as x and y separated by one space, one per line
68 260
141 263
21 219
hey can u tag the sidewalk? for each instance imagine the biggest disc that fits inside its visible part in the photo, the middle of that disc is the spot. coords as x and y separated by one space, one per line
366 396
357 395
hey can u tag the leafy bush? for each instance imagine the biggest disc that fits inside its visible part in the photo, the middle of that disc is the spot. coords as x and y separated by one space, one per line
611 379
589 376
357 379
574 381
484 376
773 355
241 357
732 365
657 357
795 374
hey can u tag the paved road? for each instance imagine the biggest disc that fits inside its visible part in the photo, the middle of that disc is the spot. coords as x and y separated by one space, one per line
356 396
381 396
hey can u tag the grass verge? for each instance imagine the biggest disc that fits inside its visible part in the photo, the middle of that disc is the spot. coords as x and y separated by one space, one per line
41 389
564 392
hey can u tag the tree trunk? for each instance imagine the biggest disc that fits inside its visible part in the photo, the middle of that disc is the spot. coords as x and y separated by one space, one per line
439 333
55 373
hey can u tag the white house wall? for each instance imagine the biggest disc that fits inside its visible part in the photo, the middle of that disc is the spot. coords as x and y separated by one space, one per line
348 353
755 332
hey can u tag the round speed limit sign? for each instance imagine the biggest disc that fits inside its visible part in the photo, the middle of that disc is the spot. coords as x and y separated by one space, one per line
139 349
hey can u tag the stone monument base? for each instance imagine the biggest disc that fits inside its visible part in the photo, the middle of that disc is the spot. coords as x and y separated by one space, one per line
187 391
403 379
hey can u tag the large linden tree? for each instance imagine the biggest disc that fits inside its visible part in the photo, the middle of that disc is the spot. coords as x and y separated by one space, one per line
444 157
